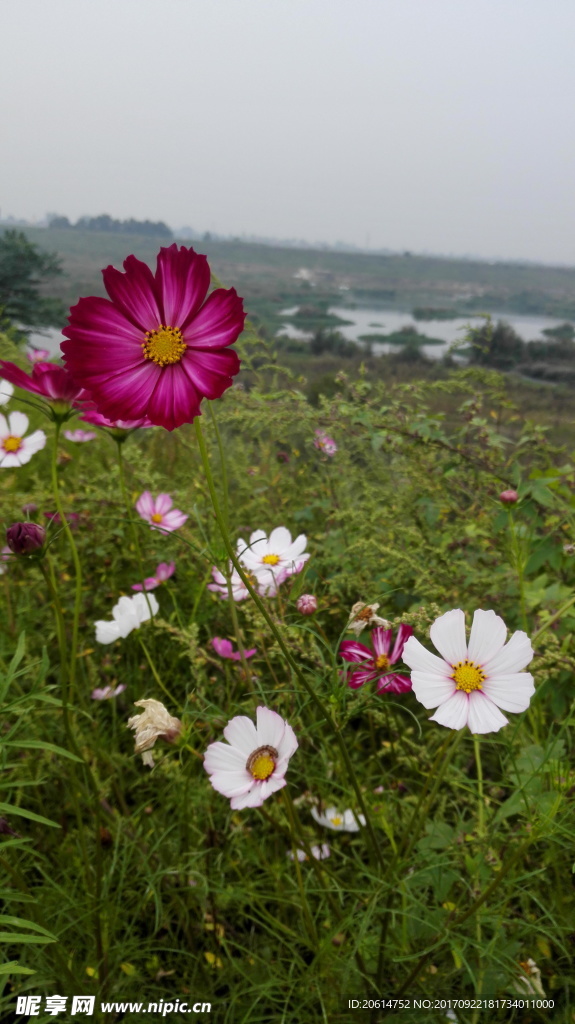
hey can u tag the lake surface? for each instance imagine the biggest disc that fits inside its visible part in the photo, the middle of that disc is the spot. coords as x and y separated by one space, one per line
387 321
369 320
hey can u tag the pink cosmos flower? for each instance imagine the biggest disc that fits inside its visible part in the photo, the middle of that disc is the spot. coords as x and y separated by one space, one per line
38 355
273 557
158 512
15 449
266 583
252 764
163 573
158 346
107 692
79 436
225 649
98 420
49 381
377 662
471 681
325 443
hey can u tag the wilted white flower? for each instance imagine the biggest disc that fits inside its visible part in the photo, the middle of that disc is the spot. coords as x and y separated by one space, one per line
128 614
339 821
153 724
363 615
529 981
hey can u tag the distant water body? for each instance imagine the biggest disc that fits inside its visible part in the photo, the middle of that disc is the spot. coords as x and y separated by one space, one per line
386 321
369 320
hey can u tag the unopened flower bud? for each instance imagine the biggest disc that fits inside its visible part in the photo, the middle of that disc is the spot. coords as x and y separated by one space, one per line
306 604
25 538
509 497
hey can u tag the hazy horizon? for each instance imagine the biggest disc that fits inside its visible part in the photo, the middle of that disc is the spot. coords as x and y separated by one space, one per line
439 129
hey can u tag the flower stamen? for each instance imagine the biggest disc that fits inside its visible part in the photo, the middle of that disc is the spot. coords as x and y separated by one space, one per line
271 559
12 443
164 345
262 762
468 676
382 661
156 517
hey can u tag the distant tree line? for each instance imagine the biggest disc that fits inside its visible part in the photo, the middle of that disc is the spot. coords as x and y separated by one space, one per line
24 270
119 227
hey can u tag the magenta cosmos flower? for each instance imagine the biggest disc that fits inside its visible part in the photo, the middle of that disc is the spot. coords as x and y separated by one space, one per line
252 764
157 346
47 380
377 662
225 649
98 420
163 573
471 681
158 512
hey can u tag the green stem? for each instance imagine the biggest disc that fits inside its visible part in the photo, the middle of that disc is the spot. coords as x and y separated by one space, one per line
77 568
157 676
519 567
564 607
480 798
304 904
375 849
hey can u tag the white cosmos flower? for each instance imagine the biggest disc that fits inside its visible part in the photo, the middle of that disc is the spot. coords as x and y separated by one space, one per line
154 723
339 821
128 614
471 682
277 555
15 449
6 391
252 764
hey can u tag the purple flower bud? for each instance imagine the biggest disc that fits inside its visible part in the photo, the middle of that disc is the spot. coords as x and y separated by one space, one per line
25 538
306 604
509 497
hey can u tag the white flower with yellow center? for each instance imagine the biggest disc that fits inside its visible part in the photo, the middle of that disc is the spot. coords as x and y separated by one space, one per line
471 682
275 556
339 821
15 448
252 764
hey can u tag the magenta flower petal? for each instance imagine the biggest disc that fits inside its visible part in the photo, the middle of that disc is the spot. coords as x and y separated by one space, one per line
352 650
211 372
357 679
96 320
381 639
175 398
217 322
134 293
403 634
394 684
183 279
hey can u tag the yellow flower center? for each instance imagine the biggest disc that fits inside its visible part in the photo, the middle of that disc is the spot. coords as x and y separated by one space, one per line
12 444
382 661
164 346
262 762
156 518
271 559
337 821
468 676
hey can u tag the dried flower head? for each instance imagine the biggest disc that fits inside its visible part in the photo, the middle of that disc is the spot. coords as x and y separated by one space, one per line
155 723
363 615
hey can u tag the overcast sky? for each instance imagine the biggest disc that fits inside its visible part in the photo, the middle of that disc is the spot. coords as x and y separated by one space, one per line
430 125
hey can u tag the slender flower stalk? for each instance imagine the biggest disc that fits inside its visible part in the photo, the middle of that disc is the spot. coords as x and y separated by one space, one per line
77 566
372 838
